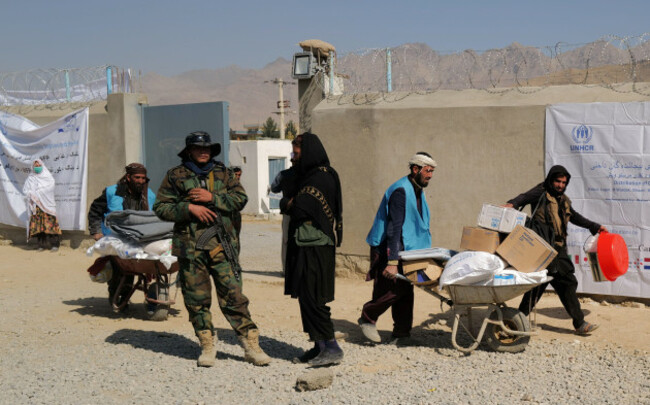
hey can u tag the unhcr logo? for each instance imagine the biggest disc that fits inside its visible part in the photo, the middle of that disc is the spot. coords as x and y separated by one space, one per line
582 135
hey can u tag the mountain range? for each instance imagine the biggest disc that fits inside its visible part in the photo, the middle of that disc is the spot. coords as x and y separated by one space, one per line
415 67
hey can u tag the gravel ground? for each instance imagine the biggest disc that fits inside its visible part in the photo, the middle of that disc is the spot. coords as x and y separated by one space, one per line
61 346
134 367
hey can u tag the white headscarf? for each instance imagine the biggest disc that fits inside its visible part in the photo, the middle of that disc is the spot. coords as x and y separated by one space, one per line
422 160
39 190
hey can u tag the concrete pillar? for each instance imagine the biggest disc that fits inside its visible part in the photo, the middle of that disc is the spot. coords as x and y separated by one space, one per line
310 93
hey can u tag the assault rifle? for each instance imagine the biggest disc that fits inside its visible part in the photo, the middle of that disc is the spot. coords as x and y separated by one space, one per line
219 230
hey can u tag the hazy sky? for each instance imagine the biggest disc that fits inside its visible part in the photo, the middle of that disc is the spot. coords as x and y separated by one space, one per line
170 37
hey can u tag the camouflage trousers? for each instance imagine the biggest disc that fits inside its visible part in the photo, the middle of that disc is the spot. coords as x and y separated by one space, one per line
196 286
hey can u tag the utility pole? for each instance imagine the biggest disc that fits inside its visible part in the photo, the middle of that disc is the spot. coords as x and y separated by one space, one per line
281 104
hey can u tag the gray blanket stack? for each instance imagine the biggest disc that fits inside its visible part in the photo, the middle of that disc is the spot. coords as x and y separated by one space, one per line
138 226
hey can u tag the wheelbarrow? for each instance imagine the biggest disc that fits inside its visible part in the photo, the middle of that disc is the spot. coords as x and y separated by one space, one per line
505 329
152 279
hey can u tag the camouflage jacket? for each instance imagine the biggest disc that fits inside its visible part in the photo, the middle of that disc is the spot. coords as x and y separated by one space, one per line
172 204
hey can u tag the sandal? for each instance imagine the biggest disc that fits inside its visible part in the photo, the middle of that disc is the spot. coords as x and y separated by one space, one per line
586 328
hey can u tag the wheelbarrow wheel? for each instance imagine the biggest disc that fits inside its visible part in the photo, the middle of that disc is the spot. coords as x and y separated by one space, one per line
157 312
499 340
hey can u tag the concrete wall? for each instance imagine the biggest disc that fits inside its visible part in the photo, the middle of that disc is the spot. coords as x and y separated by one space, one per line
489 148
114 140
252 157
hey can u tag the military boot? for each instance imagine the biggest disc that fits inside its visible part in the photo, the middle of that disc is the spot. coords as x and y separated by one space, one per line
252 351
208 350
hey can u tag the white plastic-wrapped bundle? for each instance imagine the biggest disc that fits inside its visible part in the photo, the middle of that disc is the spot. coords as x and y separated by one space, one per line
471 268
112 246
159 248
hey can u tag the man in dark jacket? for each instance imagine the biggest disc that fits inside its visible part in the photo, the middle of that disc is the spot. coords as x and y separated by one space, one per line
315 230
130 193
285 183
551 207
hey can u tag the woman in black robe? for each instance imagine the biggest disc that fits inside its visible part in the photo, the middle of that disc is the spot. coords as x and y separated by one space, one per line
314 232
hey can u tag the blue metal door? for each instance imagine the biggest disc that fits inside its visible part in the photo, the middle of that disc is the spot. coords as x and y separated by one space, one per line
276 165
165 127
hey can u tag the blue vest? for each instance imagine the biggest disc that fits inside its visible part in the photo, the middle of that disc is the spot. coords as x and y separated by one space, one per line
415 231
116 203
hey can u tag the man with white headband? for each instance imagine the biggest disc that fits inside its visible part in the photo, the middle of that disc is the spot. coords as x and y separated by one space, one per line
401 223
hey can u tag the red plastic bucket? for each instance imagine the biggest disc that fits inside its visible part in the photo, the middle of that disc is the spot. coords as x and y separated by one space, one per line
612 255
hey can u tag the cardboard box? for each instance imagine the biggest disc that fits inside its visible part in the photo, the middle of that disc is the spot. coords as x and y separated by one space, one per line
413 270
526 251
480 239
500 219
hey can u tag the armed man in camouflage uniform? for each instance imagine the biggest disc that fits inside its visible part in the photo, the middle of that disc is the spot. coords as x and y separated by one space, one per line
192 195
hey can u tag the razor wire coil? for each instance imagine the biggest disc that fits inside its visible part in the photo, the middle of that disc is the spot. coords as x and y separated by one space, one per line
71 85
612 62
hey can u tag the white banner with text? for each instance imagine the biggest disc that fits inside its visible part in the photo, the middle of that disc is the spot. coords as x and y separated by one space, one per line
62 145
606 149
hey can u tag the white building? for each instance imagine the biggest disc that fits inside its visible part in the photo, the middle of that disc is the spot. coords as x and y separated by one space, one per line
260 162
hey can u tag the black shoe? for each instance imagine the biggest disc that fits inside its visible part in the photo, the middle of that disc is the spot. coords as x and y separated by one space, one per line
306 356
327 357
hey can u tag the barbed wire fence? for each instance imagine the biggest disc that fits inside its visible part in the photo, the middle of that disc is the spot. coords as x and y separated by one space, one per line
621 64
618 63
82 86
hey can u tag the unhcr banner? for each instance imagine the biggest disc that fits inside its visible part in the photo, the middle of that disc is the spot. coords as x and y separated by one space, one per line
62 146
606 148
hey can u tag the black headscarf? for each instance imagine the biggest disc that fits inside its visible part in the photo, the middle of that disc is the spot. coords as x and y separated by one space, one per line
555 172
319 196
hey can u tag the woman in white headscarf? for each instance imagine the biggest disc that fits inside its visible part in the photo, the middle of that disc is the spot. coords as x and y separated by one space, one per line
41 208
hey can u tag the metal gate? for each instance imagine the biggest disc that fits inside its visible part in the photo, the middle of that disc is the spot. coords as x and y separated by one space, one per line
276 165
165 127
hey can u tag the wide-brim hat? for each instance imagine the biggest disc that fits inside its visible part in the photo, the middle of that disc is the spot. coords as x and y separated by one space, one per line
200 138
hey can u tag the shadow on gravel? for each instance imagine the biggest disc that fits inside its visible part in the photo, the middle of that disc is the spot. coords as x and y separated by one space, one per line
271 346
558 312
432 333
173 344
170 344
99 306
551 328
276 274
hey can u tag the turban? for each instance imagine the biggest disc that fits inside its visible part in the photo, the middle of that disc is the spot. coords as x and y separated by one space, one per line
422 160
133 168
136 168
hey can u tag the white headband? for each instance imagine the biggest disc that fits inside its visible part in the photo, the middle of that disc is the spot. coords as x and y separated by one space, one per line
422 160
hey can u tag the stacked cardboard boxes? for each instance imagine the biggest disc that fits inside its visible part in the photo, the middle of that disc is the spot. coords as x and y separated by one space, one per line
500 219
526 251
501 230
479 239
